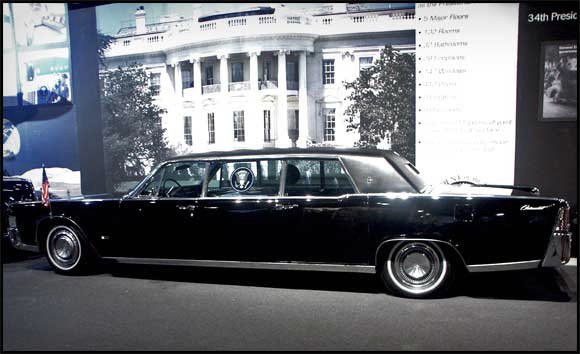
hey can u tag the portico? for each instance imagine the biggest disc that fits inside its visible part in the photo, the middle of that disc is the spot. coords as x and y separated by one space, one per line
245 78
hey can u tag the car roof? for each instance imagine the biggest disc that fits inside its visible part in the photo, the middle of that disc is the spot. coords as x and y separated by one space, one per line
288 151
14 179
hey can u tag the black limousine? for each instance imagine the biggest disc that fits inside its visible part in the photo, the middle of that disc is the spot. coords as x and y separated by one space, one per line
306 209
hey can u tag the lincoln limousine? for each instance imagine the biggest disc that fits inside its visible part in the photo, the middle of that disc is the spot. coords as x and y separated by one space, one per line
305 209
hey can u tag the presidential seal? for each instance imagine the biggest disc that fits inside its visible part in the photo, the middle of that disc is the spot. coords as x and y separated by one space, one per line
242 179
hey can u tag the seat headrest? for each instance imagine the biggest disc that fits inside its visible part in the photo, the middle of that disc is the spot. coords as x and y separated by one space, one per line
292 174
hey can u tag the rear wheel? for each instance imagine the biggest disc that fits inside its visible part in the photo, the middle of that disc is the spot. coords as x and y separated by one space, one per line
67 251
416 269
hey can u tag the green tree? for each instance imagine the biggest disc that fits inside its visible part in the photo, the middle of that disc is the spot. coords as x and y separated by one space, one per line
104 42
132 133
382 101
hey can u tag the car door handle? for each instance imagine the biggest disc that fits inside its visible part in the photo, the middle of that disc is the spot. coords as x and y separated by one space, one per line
286 206
186 207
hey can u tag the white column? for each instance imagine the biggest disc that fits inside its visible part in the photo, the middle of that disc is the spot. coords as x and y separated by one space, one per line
254 70
196 75
282 139
177 76
199 120
223 116
303 134
224 73
254 120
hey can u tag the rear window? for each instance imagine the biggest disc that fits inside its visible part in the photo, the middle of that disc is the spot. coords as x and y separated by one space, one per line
374 174
409 171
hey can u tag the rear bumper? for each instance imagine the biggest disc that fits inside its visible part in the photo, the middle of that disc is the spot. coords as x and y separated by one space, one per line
14 237
559 249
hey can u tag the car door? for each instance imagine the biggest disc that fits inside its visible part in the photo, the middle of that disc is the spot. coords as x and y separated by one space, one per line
327 221
237 211
162 221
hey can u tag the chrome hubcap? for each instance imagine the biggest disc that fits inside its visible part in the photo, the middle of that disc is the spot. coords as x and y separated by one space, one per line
416 267
63 247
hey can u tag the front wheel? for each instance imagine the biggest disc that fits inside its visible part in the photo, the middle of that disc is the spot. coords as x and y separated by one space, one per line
416 269
66 251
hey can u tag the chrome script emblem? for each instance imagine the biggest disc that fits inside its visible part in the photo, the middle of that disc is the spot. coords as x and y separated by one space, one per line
242 179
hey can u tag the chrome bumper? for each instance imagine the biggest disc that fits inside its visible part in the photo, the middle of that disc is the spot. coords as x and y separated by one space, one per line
16 242
559 249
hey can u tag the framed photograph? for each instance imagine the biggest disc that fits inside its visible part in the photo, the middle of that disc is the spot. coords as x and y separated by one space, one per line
558 98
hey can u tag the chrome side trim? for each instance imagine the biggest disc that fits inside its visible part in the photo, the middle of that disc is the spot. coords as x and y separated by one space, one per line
495 267
324 267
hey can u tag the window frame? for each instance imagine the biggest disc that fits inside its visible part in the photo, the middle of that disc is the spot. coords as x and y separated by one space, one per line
135 193
209 79
188 137
268 131
210 173
242 129
239 65
331 79
186 78
325 136
349 178
211 132
162 168
362 68
155 88
267 70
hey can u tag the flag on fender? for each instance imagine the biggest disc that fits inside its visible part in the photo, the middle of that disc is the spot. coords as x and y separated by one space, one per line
45 185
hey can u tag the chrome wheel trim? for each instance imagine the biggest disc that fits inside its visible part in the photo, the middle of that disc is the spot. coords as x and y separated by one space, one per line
416 267
63 248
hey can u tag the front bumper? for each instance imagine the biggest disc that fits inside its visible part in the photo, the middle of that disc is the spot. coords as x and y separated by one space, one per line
559 249
16 242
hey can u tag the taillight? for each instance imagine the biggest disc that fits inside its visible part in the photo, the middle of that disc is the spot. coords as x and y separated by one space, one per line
563 219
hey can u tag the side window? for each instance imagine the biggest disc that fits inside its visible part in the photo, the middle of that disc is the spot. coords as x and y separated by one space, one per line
183 180
244 178
316 177
152 186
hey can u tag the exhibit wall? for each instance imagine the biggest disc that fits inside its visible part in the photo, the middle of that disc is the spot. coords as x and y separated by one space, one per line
488 103
39 122
547 106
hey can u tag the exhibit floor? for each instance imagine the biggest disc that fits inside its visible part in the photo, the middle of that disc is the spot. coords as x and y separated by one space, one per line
168 308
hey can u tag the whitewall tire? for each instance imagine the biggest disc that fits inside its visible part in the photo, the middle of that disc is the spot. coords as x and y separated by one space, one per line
66 251
416 269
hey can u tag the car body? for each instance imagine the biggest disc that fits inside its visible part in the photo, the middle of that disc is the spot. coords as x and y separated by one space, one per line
318 208
14 189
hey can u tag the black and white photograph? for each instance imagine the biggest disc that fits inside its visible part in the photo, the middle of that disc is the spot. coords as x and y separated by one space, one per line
559 99
282 90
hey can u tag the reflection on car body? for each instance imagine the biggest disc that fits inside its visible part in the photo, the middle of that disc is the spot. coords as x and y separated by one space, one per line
14 189
320 209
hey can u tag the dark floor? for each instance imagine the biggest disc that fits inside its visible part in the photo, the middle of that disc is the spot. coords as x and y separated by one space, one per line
172 308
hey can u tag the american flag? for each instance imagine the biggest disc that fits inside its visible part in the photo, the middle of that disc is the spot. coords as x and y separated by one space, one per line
45 185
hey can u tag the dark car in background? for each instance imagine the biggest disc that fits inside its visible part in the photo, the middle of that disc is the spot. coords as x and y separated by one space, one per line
320 209
14 189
